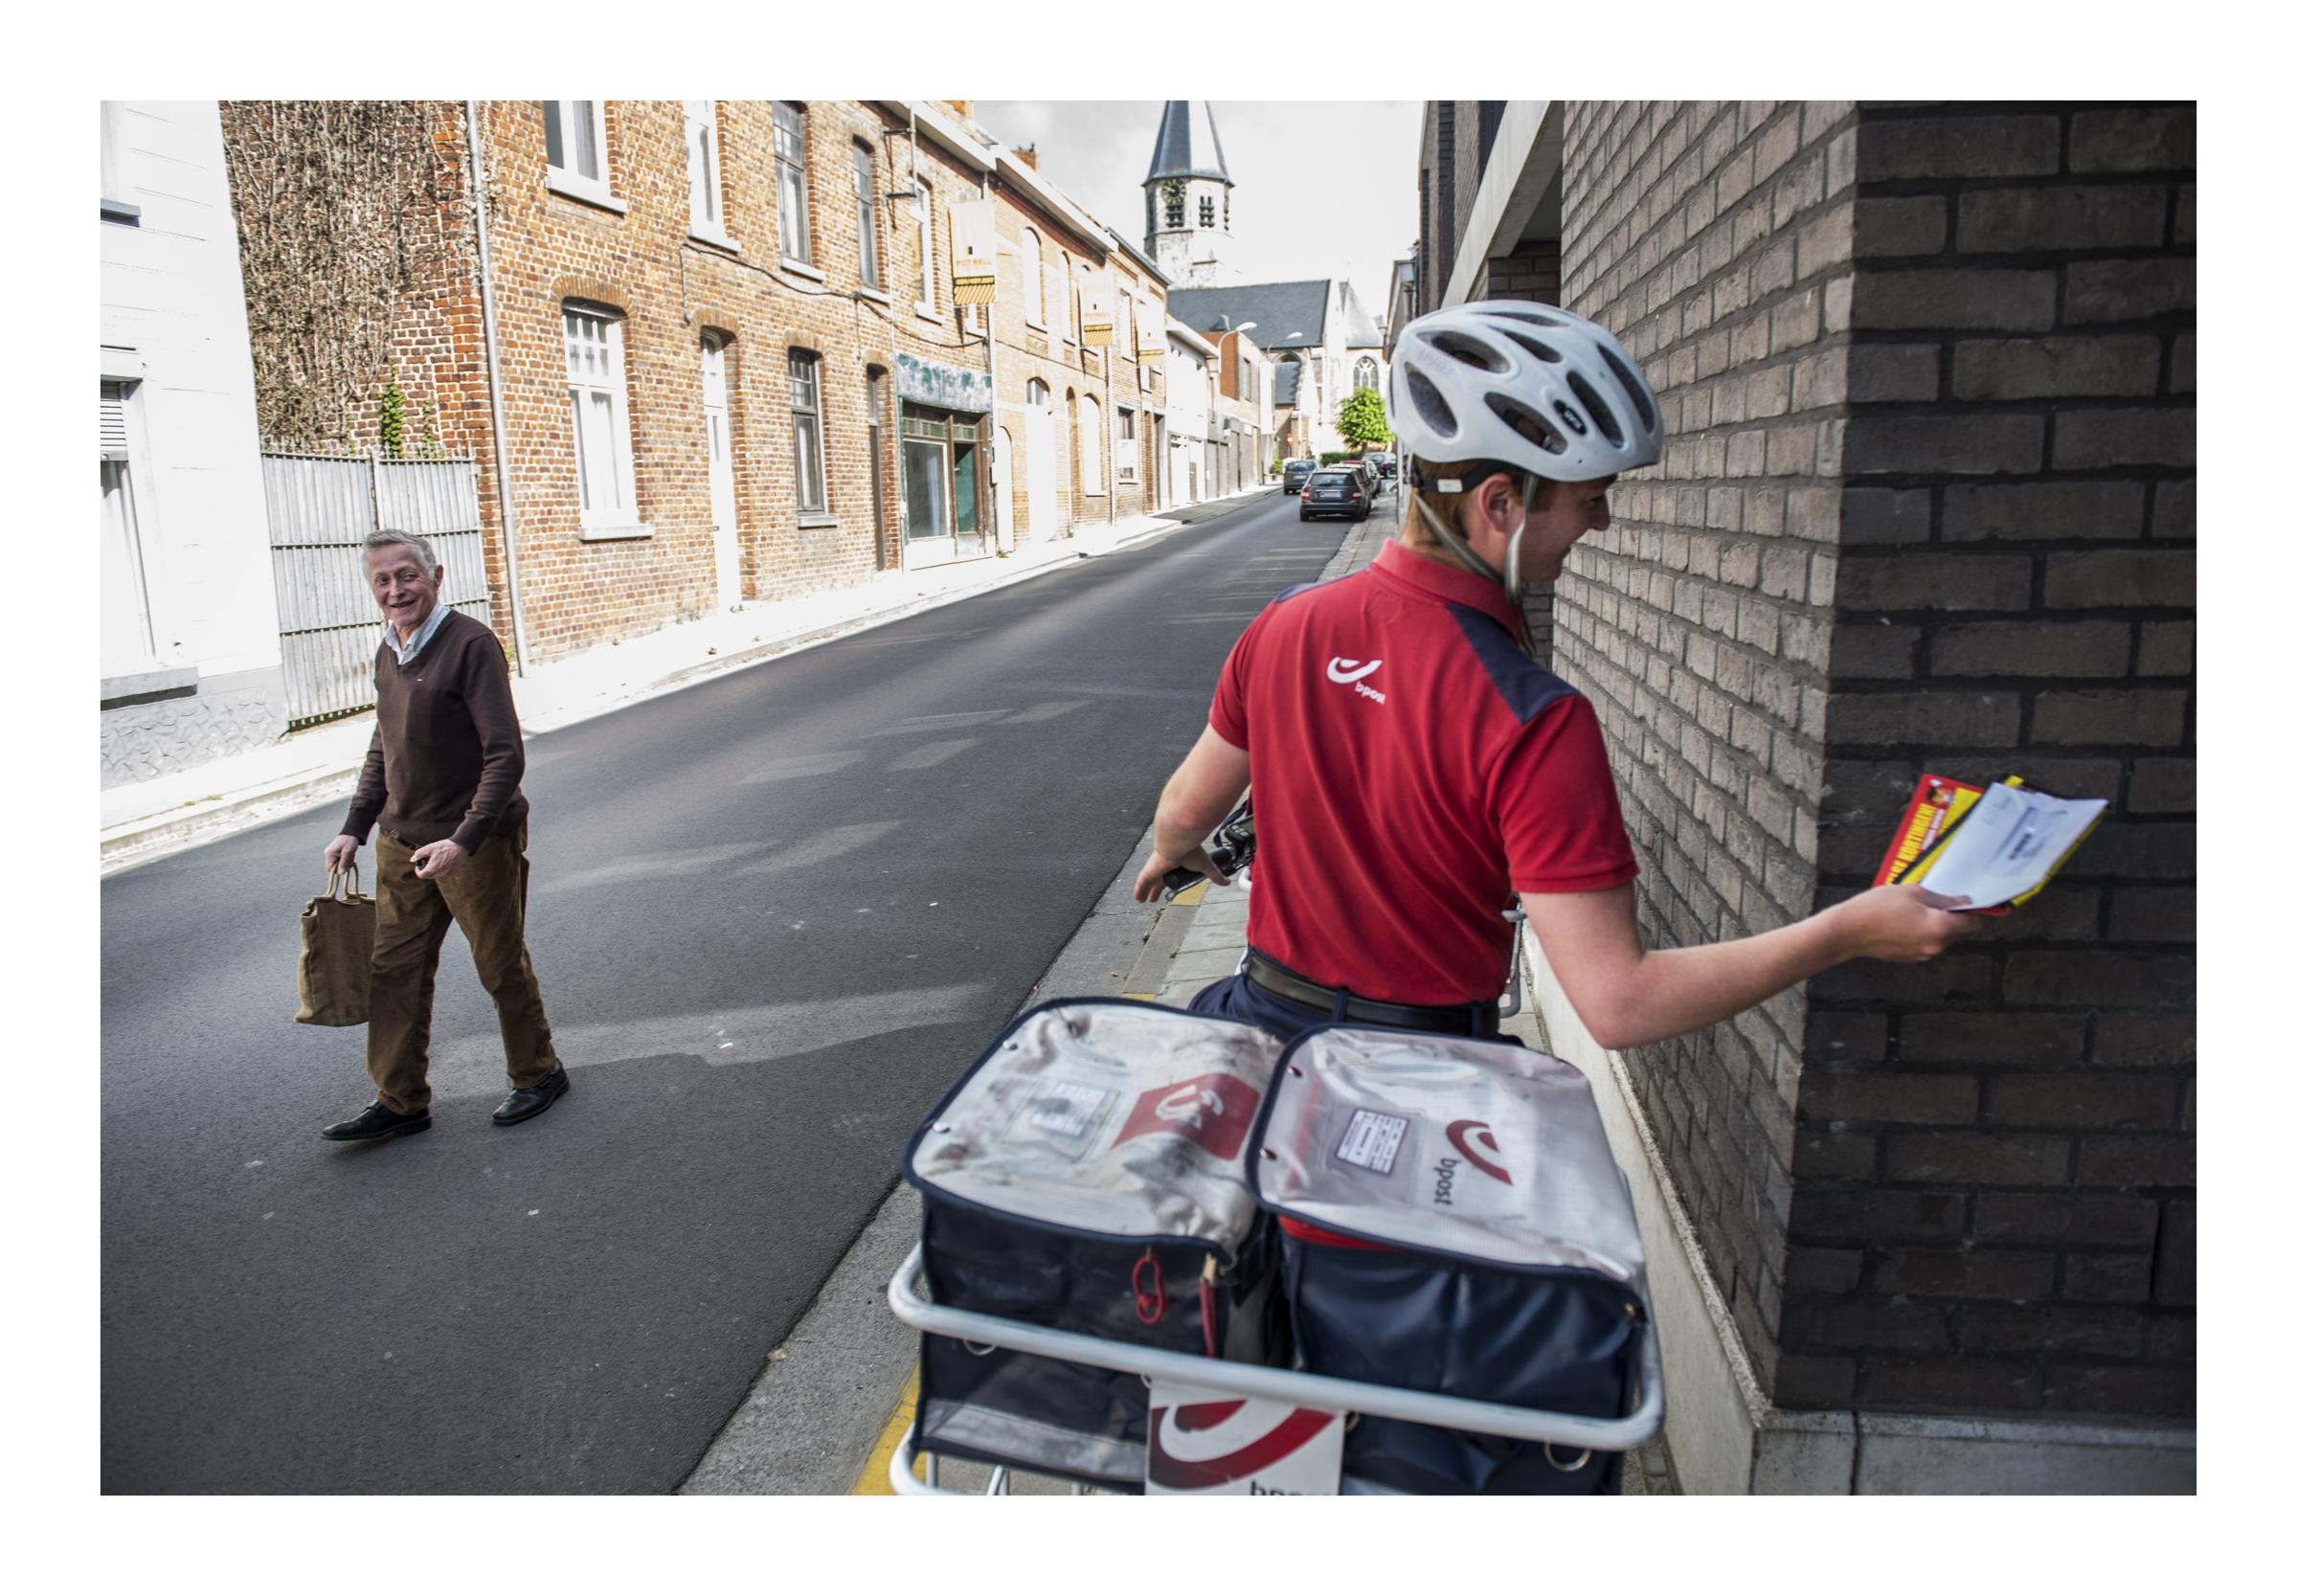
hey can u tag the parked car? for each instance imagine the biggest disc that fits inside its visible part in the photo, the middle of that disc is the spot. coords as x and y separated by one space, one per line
1362 466
1296 472
1335 491
1386 462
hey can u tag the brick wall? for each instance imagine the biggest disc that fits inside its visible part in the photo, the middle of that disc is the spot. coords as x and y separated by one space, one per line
1926 503
1996 1153
1710 238
391 184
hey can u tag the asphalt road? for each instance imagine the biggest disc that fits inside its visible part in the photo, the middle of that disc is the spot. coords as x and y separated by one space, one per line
774 915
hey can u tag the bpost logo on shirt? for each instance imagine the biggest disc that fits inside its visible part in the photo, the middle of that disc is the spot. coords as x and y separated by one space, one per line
1350 673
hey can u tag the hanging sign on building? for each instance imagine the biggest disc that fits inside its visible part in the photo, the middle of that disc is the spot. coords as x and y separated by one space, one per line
973 250
1098 302
929 382
1150 318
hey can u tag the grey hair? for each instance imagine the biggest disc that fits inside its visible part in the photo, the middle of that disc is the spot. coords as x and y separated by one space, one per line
385 538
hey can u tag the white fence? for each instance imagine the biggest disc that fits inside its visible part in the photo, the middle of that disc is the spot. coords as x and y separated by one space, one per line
321 507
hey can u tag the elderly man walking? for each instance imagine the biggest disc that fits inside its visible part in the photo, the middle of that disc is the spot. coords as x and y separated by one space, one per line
443 777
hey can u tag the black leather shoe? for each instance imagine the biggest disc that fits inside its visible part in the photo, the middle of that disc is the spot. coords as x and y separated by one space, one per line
374 1122
527 1101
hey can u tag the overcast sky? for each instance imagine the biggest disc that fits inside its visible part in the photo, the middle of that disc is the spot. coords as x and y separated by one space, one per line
1323 187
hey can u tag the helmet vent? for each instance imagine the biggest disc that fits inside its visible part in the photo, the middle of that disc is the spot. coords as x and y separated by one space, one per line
1545 352
1534 317
1428 402
1596 408
1635 390
1469 352
1525 421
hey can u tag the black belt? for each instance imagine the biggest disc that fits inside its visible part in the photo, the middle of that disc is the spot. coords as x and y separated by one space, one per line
1456 1019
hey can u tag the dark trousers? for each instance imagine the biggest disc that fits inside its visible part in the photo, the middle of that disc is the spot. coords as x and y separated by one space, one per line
487 898
1234 998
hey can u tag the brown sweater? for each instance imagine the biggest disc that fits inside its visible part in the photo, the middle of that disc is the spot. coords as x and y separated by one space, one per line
446 756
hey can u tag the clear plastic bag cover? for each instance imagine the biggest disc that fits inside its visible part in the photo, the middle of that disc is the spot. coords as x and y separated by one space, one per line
1115 1118
1476 1148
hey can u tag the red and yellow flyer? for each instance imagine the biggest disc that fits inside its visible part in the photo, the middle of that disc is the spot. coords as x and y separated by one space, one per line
1938 802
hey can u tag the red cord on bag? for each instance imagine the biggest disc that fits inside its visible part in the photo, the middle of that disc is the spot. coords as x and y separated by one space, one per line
1204 1307
1148 1306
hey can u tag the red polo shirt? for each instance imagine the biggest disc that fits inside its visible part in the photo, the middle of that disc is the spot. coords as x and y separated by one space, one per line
1411 768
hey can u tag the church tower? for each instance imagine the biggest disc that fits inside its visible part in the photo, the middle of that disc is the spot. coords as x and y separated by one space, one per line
1189 192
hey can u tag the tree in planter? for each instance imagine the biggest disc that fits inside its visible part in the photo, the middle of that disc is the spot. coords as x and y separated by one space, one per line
1364 420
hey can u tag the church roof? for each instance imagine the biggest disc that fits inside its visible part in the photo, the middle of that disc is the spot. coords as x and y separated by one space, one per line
1188 144
1290 315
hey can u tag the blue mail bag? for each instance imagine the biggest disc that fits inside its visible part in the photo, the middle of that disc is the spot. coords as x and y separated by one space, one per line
1452 1222
1082 1175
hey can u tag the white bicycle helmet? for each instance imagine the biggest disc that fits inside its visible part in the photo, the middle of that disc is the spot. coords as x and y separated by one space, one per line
1522 384
1514 383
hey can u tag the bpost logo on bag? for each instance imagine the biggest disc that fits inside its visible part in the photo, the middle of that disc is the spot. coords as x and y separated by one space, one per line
1350 673
1463 1134
1202 1443
1212 1111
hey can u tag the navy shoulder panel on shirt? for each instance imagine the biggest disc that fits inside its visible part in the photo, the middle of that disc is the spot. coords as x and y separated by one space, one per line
1526 686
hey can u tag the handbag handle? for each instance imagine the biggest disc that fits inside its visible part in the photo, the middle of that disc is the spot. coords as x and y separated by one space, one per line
349 877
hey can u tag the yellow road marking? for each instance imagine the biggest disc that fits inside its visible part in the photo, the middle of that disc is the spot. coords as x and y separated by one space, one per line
875 1478
1191 896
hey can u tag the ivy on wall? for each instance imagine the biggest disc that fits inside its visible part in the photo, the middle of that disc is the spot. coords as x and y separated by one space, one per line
346 208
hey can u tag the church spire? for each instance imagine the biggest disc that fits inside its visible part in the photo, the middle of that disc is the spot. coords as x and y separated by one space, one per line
1189 195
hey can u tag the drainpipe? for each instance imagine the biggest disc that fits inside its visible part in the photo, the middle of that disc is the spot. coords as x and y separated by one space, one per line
1005 538
494 390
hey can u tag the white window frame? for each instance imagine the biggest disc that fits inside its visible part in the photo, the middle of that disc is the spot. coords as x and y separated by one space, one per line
1058 310
705 175
921 212
1124 324
862 159
820 511
596 374
1032 279
1128 438
592 188
793 176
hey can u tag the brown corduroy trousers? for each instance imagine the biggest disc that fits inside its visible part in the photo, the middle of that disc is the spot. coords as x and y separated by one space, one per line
487 898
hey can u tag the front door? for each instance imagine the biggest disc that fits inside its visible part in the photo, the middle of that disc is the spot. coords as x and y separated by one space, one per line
715 422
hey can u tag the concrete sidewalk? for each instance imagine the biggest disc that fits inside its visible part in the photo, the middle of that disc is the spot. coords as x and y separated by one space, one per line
147 819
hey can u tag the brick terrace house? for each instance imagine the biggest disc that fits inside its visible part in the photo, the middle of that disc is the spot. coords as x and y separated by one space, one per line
1927 503
717 336
1075 422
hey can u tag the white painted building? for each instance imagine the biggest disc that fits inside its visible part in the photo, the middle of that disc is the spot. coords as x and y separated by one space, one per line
191 646
1190 416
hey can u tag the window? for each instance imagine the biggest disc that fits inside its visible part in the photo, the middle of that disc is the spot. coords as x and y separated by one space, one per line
1059 308
117 206
1124 324
921 211
805 428
1128 446
574 136
865 211
1032 279
1368 372
1088 443
599 395
1204 210
706 209
1224 207
789 182
1041 397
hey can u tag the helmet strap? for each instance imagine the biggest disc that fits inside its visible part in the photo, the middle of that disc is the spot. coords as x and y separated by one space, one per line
1475 564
